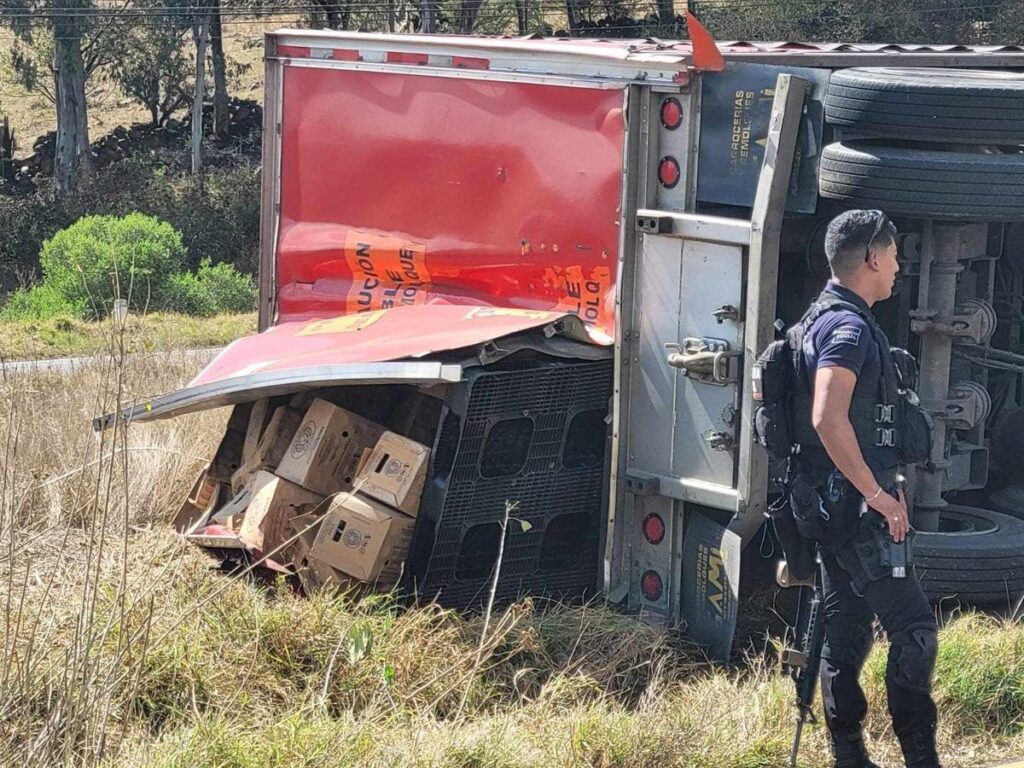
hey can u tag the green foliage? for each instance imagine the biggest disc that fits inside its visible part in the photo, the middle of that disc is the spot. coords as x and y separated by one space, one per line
212 289
136 257
218 216
101 258
39 303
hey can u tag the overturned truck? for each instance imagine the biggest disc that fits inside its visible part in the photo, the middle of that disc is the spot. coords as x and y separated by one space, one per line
553 262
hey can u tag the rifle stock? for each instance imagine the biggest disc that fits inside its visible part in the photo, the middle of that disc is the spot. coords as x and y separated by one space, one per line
803 664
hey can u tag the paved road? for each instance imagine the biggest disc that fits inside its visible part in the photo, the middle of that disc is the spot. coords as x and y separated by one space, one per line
70 364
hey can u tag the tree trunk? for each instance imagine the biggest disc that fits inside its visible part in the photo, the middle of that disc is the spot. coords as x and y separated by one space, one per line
73 155
521 18
468 10
574 10
428 18
666 14
197 98
220 75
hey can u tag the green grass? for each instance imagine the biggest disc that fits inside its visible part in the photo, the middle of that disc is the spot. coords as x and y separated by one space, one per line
66 336
242 675
122 647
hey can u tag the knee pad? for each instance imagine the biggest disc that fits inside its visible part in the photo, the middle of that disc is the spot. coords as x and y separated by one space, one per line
912 656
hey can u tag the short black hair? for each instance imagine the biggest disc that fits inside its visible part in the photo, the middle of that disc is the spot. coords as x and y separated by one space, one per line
849 238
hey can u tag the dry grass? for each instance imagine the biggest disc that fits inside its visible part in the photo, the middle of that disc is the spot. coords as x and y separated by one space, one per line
124 647
66 336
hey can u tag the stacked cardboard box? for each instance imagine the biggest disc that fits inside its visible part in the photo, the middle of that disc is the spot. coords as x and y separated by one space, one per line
329 493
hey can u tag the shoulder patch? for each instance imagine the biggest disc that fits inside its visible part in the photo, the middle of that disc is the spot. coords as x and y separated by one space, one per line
846 334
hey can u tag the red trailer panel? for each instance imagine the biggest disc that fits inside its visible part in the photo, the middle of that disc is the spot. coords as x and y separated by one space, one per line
396 190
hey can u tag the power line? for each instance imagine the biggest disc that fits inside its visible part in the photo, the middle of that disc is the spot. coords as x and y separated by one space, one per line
186 10
357 5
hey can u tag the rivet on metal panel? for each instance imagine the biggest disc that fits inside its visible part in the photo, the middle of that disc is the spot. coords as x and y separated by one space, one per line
729 415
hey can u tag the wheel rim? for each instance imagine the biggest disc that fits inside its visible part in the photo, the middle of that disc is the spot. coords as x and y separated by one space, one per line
956 520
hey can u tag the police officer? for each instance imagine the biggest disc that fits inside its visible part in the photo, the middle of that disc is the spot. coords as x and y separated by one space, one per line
853 479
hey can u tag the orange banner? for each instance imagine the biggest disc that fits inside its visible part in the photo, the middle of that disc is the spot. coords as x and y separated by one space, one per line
386 271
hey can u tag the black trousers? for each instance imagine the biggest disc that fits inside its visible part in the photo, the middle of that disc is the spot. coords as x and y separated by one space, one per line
906 617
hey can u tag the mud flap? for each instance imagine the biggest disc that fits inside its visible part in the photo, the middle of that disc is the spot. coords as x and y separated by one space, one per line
711 580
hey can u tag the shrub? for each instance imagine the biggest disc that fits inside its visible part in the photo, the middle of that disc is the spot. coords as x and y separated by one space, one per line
39 303
101 258
212 289
220 215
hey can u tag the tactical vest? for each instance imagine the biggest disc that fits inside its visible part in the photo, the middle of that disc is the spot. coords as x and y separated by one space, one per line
885 415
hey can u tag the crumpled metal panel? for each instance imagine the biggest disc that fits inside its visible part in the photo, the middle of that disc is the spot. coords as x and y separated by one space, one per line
378 347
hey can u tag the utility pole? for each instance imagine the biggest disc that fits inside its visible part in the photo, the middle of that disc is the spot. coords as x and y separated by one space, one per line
200 32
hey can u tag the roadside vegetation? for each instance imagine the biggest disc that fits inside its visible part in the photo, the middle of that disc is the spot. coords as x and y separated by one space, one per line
122 646
135 259
67 336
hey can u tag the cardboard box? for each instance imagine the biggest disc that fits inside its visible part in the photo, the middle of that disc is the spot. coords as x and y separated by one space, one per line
395 473
270 502
364 539
199 504
270 448
324 454
314 574
215 537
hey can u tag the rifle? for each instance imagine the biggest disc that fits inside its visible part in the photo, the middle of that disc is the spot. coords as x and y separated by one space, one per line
804 662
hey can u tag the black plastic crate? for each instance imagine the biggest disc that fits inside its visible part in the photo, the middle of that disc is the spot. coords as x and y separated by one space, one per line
535 436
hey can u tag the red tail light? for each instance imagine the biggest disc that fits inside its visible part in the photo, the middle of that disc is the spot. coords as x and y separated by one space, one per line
671 114
651 586
668 172
654 528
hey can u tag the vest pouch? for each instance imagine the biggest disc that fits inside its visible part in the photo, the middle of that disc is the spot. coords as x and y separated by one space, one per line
825 507
771 428
906 367
916 428
798 550
771 379
805 503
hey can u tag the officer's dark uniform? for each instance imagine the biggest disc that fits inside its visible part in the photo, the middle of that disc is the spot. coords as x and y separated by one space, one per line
853 593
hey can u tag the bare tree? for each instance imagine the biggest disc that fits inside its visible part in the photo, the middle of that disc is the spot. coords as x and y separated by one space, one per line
153 68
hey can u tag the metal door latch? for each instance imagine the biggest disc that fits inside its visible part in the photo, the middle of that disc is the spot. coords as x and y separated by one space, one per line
726 312
704 360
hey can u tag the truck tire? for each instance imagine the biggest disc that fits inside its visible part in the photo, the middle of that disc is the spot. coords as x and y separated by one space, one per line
954 105
978 558
924 183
